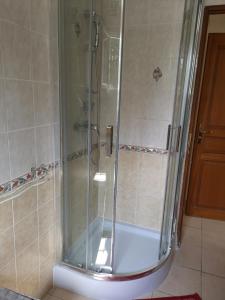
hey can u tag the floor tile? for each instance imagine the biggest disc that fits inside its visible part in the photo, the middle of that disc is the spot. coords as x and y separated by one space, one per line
65 295
215 226
149 296
192 236
213 261
182 281
49 297
189 257
159 294
192 222
213 288
213 253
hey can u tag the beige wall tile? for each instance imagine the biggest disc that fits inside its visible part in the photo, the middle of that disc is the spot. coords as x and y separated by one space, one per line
16 45
19 103
22 152
152 34
16 11
47 246
7 247
40 16
46 217
30 286
46 277
165 11
149 212
2 102
214 2
4 159
45 150
141 188
6 215
46 191
26 231
25 204
27 262
24 56
150 179
40 58
8 275
43 104
137 13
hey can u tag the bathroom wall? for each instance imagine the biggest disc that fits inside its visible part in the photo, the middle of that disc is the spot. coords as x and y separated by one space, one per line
214 2
216 24
29 138
151 51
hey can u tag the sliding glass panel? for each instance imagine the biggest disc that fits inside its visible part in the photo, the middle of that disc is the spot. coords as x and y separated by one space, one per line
106 58
75 75
191 15
90 43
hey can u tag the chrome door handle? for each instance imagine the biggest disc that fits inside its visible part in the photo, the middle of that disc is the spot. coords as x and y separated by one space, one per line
109 140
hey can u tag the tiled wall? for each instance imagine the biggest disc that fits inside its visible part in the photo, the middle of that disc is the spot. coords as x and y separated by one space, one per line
141 188
152 36
29 137
214 2
152 40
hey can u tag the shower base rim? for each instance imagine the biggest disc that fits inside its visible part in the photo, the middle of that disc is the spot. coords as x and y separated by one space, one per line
120 277
111 287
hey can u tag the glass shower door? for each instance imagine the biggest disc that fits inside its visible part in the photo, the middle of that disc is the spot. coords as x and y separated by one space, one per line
105 97
75 84
192 12
90 44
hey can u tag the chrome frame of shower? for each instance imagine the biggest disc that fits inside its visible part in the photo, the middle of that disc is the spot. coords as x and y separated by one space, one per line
170 251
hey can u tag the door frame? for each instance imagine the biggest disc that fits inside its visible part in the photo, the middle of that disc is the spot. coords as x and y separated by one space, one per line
208 11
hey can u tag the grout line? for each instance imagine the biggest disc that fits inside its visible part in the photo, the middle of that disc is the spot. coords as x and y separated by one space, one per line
25 80
38 229
215 275
14 245
29 128
25 27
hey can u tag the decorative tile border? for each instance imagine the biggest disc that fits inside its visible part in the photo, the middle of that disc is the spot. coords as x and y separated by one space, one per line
142 149
35 174
80 153
77 154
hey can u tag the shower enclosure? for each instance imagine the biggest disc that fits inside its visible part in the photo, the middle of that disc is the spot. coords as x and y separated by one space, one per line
109 56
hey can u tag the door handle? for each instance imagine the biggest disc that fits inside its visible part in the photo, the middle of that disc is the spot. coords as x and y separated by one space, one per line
201 133
109 140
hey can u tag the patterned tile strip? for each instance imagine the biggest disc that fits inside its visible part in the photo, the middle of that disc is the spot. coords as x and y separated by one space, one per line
35 174
142 149
81 153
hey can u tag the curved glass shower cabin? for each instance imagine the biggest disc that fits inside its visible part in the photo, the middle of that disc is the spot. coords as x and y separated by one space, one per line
125 69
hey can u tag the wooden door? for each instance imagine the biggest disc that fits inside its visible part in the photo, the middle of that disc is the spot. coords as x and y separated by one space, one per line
206 193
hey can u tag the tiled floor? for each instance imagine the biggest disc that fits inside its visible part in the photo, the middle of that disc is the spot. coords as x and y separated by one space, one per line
199 266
